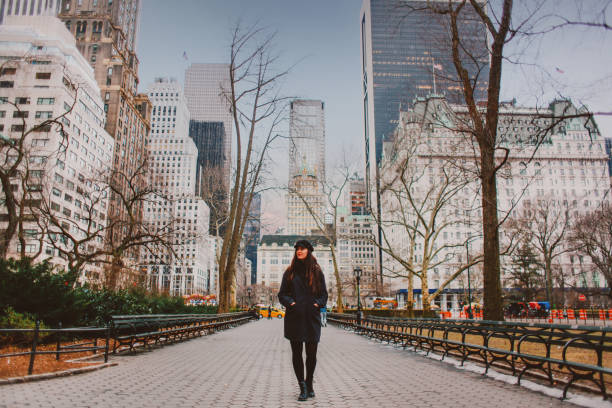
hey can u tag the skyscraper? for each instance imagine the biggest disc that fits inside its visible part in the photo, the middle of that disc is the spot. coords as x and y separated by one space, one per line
106 35
405 53
252 233
306 166
205 85
212 175
59 163
172 170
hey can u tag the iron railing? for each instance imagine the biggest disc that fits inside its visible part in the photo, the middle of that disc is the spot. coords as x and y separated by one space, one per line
559 353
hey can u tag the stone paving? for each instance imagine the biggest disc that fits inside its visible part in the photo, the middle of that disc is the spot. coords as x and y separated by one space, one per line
250 366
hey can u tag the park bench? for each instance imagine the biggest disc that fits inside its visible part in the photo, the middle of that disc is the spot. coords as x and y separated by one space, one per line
479 340
131 331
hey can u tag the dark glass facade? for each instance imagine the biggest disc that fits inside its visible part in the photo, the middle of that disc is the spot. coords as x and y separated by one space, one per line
252 234
411 57
209 138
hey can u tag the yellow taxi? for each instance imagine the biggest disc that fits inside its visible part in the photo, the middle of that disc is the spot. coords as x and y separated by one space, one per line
263 312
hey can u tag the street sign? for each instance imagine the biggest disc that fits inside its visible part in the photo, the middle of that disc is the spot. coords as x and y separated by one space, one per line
582 298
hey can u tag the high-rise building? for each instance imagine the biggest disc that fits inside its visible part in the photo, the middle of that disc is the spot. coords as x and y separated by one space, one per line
405 53
65 164
307 138
172 171
28 8
106 34
252 233
211 173
206 87
357 195
306 167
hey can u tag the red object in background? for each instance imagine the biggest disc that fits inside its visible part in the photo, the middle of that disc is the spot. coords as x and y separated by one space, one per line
582 297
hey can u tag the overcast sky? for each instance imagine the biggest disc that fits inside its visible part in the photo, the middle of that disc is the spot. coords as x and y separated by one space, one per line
322 37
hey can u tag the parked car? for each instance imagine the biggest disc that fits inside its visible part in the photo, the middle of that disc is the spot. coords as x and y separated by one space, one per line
263 312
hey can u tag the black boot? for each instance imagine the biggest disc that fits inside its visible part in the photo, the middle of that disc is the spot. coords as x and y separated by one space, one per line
311 393
303 391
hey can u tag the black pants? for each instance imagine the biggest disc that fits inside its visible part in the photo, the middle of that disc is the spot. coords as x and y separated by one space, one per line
298 362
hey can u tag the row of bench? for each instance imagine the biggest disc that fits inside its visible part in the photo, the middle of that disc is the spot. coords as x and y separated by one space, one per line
476 340
131 331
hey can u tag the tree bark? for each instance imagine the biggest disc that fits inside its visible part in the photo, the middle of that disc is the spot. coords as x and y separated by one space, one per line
492 299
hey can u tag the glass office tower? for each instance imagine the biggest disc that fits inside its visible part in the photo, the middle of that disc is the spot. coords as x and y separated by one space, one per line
406 53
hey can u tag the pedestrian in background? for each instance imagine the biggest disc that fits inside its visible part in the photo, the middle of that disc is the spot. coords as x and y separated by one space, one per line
303 293
324 316
269 312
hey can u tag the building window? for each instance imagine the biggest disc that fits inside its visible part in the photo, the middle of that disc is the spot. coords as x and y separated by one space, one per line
43 75
6 84
45 101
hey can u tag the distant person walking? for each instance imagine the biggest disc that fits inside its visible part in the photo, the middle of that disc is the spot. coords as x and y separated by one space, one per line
324 316
303 293
269 312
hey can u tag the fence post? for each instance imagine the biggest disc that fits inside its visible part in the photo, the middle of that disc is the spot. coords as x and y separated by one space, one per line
57 349
107 341
33 352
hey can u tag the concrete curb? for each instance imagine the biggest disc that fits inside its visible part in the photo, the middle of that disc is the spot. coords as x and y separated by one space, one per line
57 374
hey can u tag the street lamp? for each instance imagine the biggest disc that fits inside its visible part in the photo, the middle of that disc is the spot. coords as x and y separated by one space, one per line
357 272
249 290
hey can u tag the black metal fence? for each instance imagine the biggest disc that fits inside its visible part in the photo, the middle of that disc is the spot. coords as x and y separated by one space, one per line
561 354
100 337
131 331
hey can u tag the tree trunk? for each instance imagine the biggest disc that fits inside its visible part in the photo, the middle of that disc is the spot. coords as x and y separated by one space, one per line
339 299
11 207
549 284
491 269
410 295
425 292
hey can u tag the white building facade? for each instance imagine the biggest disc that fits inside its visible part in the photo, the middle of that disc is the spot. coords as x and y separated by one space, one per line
172 169
274 254
568 168
44 78
49 8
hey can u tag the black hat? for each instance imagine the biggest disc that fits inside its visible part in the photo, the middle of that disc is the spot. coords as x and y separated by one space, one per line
304 244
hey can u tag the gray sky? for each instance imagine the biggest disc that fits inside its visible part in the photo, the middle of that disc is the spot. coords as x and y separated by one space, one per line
322 37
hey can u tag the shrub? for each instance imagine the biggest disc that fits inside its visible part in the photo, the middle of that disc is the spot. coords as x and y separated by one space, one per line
39 291
13 320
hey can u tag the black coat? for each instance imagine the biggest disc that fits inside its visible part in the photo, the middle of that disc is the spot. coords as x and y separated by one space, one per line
302 320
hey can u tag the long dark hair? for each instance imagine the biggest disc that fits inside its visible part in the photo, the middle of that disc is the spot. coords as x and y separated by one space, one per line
312 271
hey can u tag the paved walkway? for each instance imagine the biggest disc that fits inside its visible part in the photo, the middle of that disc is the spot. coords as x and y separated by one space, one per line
250 366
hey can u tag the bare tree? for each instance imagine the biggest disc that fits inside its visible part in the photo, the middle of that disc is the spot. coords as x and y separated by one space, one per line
503 23
333 191
423 196
592 236
257 111
24 164
92 238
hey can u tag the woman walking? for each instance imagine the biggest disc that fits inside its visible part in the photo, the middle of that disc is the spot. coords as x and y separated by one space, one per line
303 292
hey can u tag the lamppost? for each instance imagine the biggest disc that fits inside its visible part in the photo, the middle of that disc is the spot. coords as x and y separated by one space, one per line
249 290
357 272
467 252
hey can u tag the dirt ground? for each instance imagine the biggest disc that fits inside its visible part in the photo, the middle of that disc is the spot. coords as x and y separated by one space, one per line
17 366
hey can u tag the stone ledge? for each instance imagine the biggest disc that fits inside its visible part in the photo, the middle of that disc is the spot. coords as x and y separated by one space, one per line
47 376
